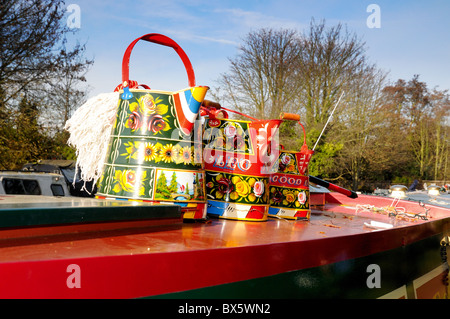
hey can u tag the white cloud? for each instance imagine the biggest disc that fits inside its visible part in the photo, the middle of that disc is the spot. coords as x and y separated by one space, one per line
255 19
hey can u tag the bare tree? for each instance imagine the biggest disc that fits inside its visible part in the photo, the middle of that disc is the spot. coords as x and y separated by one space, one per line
63 91
423 116
358 129
29 31
376 131
261 82
441 132
37 72
283 70
329 60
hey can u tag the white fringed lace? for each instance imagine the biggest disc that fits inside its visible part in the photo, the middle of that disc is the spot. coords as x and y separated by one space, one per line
90 130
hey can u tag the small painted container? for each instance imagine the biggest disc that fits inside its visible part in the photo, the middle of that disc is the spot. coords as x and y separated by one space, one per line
237 161
155 151
289 185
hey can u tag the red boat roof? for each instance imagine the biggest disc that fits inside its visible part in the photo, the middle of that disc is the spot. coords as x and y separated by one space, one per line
145 229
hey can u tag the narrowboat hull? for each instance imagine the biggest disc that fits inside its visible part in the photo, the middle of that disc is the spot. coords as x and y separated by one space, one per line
105 249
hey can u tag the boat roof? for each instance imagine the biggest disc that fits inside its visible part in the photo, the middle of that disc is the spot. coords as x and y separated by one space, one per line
340 218
26 174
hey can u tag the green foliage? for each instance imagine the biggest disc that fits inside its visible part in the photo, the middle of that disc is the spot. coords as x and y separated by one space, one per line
402 180
323 161
290 135
173 183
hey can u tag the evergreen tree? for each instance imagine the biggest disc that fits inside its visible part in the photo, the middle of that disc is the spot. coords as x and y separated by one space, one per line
173 183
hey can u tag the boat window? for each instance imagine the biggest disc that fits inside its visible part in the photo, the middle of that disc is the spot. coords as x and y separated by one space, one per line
57 190
21 186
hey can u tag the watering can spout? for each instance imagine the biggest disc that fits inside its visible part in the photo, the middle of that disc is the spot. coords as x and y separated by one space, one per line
187 106
198 96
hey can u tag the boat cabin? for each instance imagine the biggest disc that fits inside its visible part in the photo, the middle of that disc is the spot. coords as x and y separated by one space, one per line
32 183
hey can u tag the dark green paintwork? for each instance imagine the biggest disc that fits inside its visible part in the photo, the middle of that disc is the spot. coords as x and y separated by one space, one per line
61 213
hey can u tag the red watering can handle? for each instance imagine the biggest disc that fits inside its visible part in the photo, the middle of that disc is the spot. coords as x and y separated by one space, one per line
295 117
158 39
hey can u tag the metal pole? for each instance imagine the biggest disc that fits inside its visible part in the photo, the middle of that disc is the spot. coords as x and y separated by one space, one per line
329 118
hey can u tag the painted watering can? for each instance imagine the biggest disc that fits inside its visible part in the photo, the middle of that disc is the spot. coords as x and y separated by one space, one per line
289 183
155 147
237 158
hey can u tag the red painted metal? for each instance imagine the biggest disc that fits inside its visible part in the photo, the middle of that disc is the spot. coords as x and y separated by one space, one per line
177 258
162 40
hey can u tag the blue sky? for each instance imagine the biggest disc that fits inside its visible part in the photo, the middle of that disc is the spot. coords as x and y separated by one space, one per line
413 38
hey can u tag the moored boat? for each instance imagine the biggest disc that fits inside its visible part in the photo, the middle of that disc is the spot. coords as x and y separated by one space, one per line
33 183
350 248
